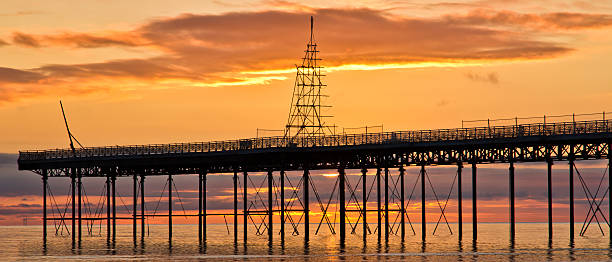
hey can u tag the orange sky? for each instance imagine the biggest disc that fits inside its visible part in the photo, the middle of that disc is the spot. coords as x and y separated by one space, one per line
135 72
147 72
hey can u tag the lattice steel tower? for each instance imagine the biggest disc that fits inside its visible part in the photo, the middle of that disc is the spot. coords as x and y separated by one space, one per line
305 116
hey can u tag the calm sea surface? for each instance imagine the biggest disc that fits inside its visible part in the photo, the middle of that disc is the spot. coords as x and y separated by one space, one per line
25 243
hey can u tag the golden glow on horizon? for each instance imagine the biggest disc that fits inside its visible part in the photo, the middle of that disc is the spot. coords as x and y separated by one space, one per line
375 66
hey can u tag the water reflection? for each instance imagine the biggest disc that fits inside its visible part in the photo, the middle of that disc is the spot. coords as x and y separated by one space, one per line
549 251
511 249
474 250
532 244
142 246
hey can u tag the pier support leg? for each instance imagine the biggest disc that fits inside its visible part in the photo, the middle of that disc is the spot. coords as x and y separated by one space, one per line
245 208
423 219
282 207
142 207
378 204
135 209
80 207
204 209
108 208
342 177
459 202
306 206
610 187
170 182
364 195
549 186
200 207
235 207
571 192
511 187
270 207
402 207
474 203
73 185
114 199
386 204
44 208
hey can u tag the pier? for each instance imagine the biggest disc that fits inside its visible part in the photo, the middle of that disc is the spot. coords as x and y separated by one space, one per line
308 145
551 143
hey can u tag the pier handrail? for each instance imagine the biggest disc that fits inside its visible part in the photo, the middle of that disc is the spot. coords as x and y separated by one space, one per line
436 135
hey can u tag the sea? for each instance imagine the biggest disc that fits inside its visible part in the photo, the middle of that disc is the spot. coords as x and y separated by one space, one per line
24 243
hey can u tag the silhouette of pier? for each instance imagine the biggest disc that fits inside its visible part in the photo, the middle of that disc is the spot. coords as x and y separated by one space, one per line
308 144
551 143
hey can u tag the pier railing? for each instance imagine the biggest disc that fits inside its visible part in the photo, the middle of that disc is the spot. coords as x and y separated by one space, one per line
437 135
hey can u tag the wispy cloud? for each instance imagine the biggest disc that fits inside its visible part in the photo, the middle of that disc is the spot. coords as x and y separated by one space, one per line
80 40
547 21
9 75
25 40
492 77
22 13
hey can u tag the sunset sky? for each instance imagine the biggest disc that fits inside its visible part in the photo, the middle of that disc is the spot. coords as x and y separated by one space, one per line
138 72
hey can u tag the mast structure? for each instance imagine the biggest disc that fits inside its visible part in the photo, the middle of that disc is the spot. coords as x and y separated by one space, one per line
71 137
305 116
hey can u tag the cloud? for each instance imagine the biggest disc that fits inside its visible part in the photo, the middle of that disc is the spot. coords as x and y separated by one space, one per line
245 48
80 40
289 6
559 20
492 77
22 13
3 43
25 40
9 75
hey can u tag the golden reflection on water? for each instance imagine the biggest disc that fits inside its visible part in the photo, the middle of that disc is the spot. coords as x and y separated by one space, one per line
25 242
